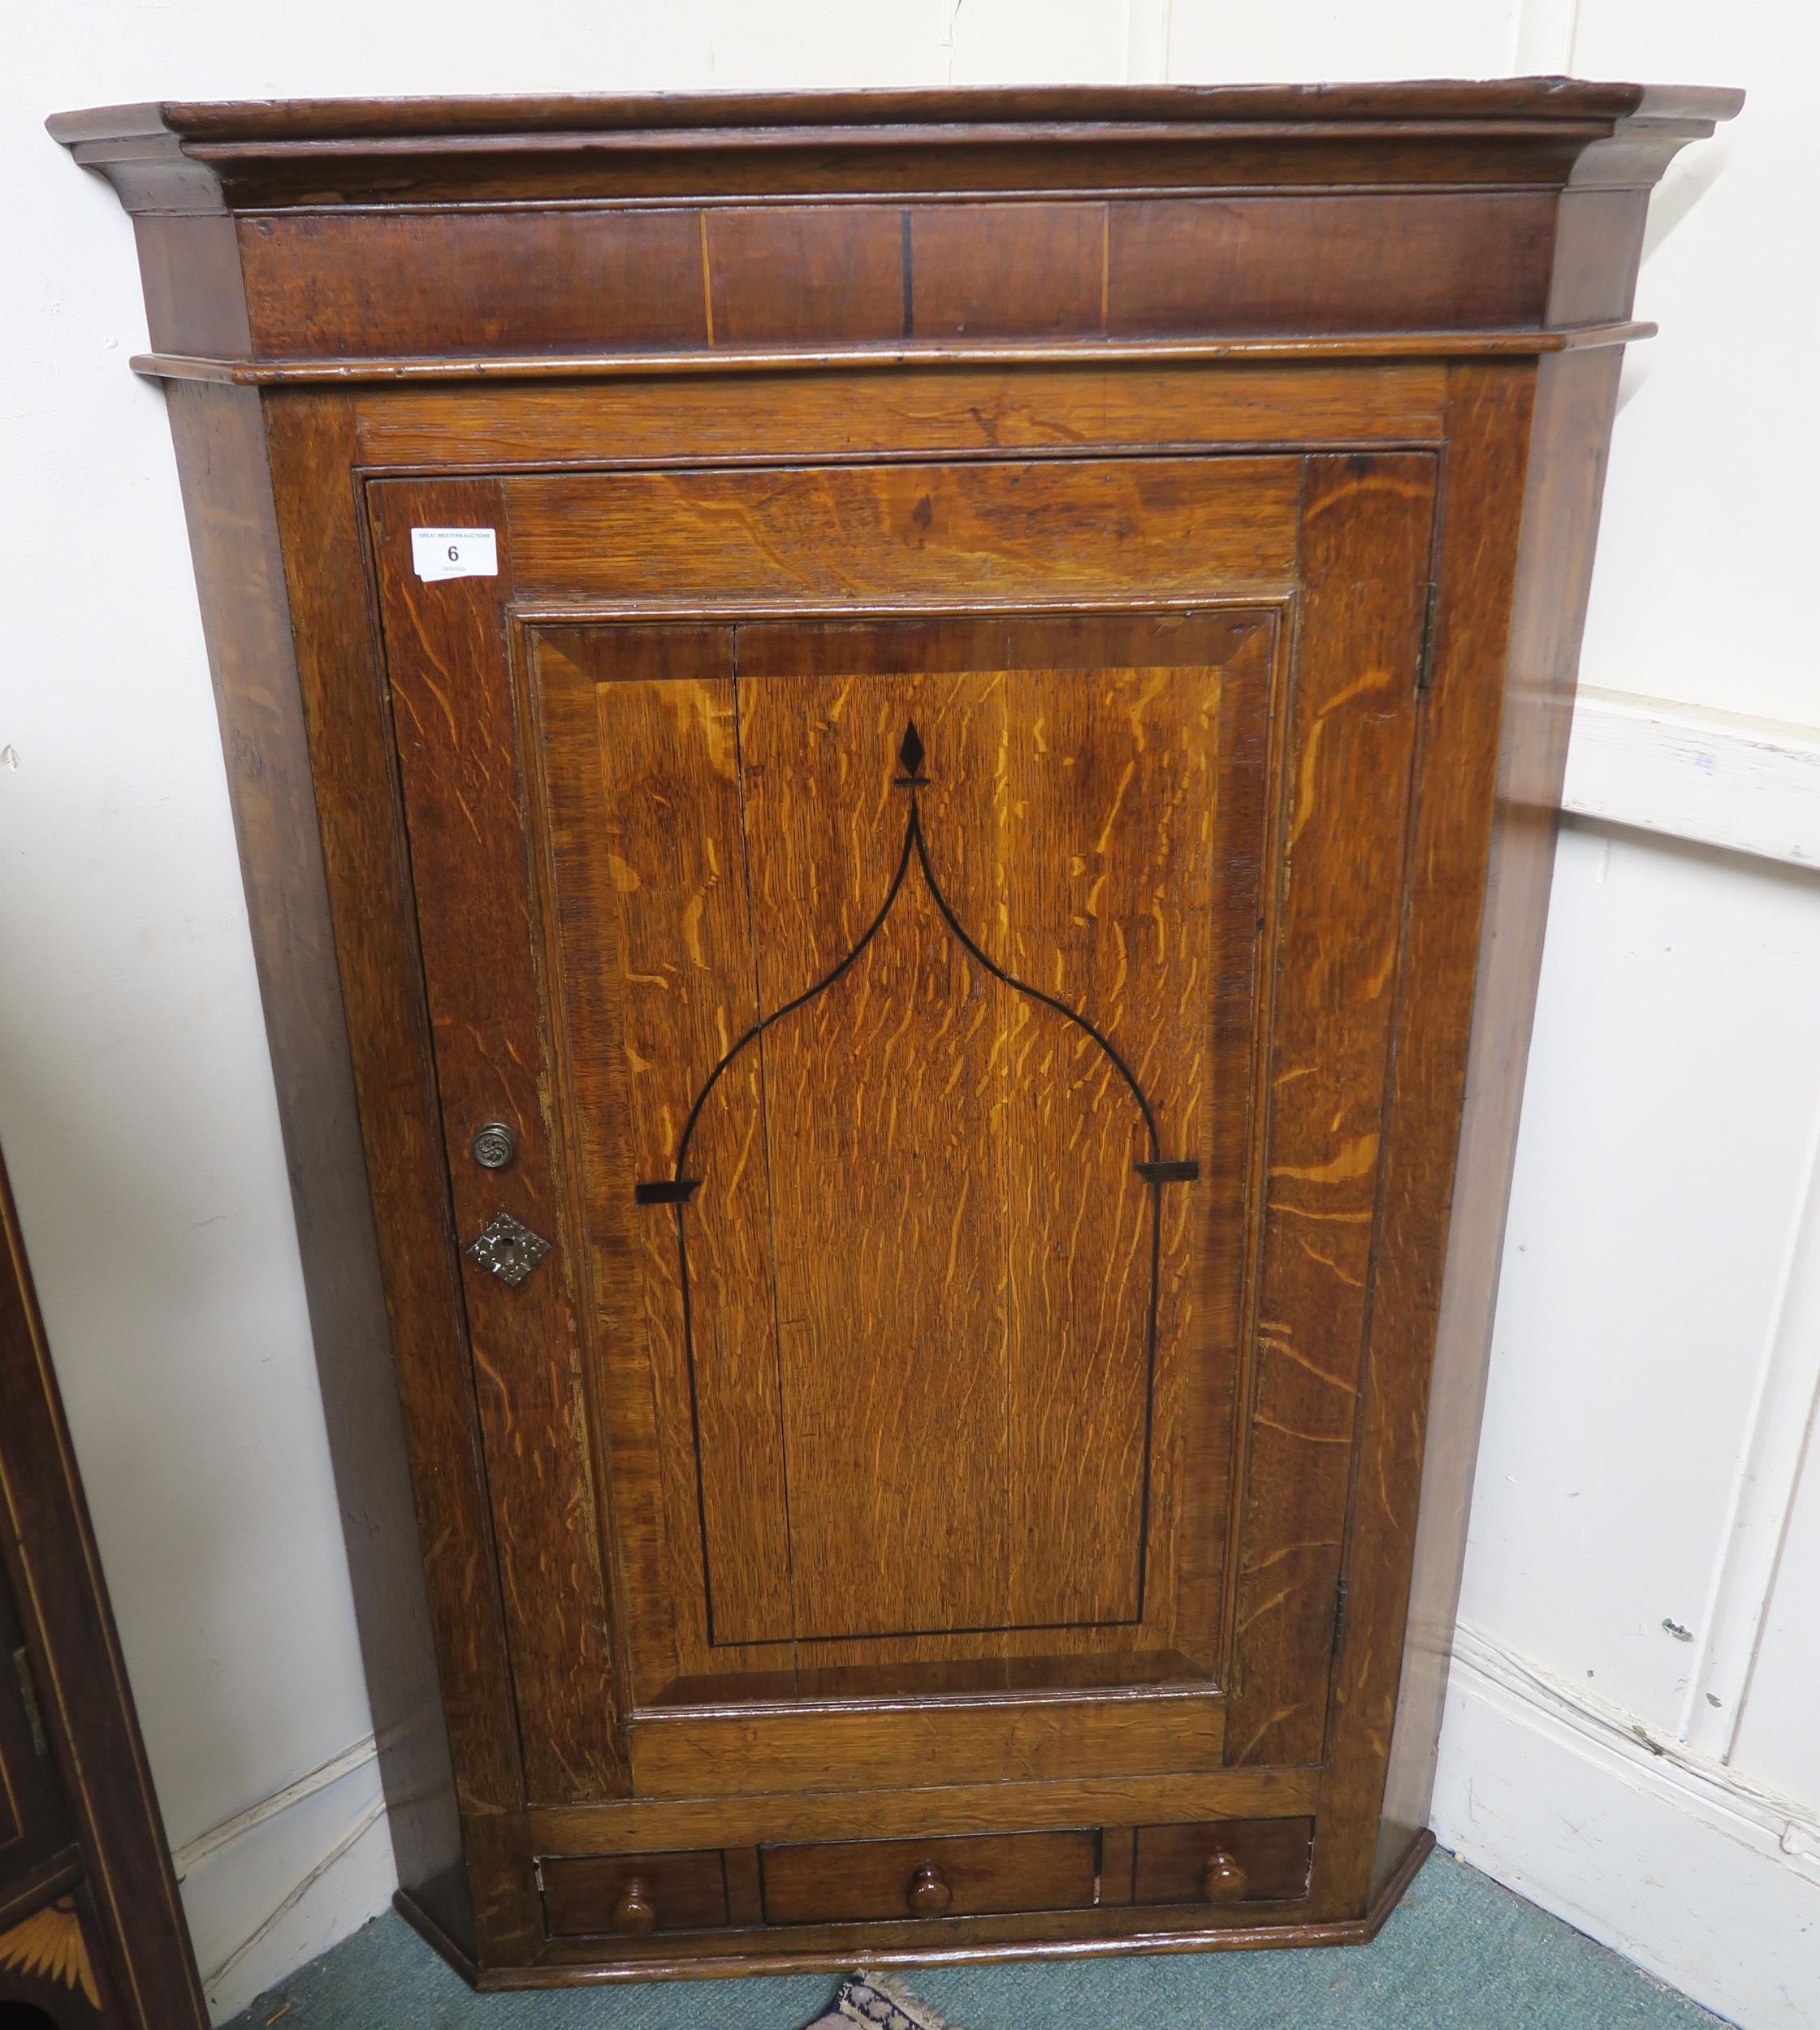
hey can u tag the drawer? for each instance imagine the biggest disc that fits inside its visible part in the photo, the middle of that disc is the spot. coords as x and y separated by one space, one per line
849 1880
593 1894
1228 1861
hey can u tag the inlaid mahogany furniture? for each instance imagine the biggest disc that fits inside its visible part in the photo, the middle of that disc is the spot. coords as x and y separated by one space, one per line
91 1935
896 759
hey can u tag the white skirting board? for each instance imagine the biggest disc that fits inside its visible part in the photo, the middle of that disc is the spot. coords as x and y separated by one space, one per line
1711 1885
279 1883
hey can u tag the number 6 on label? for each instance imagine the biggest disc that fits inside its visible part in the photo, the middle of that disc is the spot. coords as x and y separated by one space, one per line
455 553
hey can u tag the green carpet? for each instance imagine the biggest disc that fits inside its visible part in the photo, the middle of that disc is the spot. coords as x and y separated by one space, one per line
1461 1953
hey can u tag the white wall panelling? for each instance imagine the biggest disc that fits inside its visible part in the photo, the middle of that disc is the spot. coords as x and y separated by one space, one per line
1666 1148
1629 1736
1765 1482
1777 1738
1147 41
1747 784
1542 37
1710 1880
1708 536
1655 1358
1218 40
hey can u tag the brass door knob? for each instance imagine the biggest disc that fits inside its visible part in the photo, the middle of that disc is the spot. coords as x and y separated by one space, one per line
634 1912
1222 1880
495 1146
928 1895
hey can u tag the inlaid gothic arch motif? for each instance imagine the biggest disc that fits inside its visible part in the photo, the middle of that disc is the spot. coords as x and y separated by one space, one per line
1154 1168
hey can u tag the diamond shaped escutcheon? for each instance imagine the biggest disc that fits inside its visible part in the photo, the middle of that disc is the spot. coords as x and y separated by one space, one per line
507 1249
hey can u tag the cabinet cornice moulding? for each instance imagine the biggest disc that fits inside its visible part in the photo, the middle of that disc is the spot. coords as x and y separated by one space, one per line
179 155
658 228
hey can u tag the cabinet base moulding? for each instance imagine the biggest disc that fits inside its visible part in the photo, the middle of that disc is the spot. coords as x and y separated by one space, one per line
837 1959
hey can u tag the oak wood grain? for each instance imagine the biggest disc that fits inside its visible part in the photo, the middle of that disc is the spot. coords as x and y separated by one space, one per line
824 820
644 813
1084 531
867 413
629 278
851 1880
802 1747
1366 526
1268 1859
1076 1934
775 274
1417 262
586 1895
481 951
374 1165
1008 1805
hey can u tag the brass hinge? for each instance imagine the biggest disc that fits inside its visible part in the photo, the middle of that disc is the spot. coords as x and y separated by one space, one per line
1339 1616
29 1698
1425 669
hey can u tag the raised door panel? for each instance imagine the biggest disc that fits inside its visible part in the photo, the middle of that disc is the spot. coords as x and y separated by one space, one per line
895 1014
864 970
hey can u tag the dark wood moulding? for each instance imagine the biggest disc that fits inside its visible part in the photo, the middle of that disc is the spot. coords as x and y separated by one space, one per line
291 235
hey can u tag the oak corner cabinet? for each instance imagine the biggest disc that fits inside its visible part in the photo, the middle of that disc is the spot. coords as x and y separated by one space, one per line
896 758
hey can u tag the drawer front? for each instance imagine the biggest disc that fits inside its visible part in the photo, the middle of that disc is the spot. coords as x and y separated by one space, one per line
627 1895
1229 1861
851 1879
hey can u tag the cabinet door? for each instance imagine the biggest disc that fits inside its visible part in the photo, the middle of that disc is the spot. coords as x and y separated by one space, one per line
930 935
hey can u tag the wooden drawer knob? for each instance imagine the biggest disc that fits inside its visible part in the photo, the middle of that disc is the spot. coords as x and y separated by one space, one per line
634 1912
1222 1880
928 1895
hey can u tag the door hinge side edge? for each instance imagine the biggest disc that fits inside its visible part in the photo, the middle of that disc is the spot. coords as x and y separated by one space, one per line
1425 668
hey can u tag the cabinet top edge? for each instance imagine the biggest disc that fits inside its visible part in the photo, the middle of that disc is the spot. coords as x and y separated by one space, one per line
1022 114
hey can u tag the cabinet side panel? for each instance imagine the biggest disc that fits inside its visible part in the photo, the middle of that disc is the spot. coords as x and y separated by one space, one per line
1534 569
191 270
247 616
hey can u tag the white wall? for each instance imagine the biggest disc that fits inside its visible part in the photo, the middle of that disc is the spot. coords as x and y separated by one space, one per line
1658 1342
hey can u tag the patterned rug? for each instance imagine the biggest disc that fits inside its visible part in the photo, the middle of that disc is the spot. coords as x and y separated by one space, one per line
880 2004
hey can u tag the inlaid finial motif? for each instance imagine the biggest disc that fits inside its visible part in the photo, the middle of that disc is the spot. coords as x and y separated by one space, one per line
911 754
